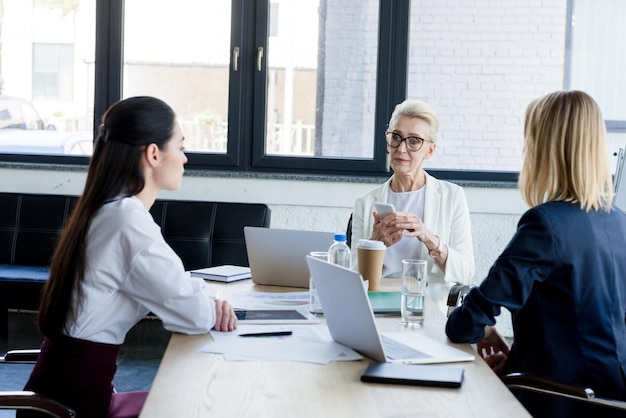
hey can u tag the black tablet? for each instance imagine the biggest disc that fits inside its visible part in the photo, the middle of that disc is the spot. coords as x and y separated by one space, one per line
410 374
268 314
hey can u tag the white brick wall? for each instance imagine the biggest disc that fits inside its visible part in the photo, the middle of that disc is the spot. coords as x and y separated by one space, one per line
479 63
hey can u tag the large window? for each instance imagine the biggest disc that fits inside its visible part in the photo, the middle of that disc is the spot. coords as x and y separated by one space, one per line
307 86
597 58
257 84
181 55
46 78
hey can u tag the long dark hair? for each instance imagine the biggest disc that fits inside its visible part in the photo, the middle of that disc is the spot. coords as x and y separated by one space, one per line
128 126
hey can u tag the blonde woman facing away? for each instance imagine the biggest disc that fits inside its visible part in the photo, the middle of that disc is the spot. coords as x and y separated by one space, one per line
563 274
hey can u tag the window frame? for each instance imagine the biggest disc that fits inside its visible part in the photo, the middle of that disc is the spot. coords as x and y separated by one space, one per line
245 148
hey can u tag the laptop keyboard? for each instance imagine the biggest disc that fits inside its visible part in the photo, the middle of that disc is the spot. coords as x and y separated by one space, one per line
395 350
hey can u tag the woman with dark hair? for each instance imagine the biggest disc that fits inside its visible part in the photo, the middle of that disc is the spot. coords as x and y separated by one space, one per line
112 266
563 275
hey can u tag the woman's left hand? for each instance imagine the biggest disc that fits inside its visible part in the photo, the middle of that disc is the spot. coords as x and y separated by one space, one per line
412 226
225 318
496 360
494 349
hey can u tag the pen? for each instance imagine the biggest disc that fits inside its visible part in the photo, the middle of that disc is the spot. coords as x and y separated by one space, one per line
266 334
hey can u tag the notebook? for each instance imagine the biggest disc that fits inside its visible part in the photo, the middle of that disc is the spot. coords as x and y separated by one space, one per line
224 273
351 321
277 256
385 303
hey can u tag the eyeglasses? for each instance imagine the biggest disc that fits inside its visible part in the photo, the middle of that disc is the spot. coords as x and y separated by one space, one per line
413 143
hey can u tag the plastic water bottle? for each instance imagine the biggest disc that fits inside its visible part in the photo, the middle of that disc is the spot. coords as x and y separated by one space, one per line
339 252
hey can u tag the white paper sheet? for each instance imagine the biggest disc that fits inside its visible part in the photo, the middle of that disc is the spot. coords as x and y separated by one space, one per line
309 344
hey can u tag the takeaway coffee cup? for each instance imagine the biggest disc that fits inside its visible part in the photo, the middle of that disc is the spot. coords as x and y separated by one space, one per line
370 256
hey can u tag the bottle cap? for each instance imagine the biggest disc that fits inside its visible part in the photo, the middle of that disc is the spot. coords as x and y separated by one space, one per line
340 237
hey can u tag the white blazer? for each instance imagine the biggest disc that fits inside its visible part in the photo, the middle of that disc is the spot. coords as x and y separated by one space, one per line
446 215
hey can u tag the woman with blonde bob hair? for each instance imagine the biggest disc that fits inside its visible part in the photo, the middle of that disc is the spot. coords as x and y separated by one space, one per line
432 219
563 274
569 161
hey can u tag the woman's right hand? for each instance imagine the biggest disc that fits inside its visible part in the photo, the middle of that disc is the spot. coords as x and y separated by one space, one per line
385 230
225 318
494 349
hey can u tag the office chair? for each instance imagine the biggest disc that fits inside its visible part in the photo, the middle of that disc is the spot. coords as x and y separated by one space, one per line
541 384
27 400
31 401
349 232
456 296
547 386
21 356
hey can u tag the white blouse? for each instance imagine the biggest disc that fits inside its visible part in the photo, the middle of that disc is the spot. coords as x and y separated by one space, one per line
131 271
407 247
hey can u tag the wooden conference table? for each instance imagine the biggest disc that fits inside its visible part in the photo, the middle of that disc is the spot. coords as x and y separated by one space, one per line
194 384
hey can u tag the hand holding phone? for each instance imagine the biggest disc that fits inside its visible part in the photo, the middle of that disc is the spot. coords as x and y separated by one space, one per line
384 209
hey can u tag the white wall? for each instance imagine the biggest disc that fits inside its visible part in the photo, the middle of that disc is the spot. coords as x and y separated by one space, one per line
479 63
303 204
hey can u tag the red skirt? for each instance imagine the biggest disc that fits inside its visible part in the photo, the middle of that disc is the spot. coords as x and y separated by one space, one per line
79 374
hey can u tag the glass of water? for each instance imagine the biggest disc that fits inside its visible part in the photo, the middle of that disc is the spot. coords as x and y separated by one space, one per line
315 306
413 287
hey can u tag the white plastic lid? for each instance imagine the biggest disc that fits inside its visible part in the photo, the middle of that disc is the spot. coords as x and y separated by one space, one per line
371 244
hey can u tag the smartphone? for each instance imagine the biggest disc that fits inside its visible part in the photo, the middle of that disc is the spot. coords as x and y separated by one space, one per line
384 209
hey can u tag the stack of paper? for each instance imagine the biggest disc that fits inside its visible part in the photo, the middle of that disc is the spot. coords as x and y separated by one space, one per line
225 273
307 343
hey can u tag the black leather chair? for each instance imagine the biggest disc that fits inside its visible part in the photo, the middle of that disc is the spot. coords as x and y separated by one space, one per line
550 387
31 401
20 356
30 225
27 400
456 296
202 233
349 231
205 234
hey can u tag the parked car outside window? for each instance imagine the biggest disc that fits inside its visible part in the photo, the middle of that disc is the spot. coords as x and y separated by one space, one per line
22 131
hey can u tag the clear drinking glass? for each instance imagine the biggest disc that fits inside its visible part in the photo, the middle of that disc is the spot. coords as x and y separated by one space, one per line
315 307
413 287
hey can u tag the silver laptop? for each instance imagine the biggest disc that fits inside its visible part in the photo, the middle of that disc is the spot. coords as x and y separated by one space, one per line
277 256
351 321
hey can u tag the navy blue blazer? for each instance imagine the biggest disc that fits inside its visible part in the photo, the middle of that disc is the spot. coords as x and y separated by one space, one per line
563 278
